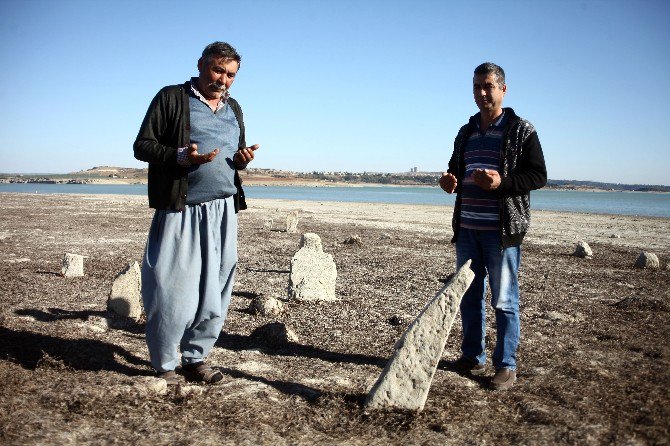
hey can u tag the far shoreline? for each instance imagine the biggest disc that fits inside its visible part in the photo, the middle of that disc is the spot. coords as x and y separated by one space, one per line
274 182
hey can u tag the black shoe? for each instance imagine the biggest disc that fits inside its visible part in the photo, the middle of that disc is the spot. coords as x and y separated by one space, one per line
468 366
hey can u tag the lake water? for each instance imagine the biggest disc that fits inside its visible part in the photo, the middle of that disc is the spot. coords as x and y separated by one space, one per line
622 203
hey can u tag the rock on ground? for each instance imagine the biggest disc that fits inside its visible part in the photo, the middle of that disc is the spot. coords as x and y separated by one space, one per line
73 265
274 334
647 260
266 306
583 250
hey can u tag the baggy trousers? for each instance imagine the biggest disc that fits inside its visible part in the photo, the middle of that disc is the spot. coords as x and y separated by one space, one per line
187 280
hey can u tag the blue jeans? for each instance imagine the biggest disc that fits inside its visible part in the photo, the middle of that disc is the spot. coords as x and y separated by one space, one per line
502 267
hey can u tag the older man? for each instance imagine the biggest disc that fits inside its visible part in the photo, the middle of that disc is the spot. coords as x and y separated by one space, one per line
193 139
497 161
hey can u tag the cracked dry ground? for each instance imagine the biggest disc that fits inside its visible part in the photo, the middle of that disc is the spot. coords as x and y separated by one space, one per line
593 364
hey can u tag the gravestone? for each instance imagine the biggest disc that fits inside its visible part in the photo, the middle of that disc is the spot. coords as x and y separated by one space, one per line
73 265
313 272
292 222
125 299
405 381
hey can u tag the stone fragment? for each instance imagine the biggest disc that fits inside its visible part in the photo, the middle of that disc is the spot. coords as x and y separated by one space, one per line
266 306
615 236
189 390
73 265
385 236
267 223
583 250
125 299
405 381
667 266
647 260
292 222
354 240
274 334
313 272
150 385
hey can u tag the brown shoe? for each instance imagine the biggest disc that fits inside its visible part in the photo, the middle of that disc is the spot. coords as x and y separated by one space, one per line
503 379
468 366
201 372
170 377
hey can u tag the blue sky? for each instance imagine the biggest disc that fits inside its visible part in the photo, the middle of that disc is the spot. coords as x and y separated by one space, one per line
342 85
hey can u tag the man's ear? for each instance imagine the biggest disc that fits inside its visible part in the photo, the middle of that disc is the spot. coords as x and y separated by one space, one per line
200 64
504 89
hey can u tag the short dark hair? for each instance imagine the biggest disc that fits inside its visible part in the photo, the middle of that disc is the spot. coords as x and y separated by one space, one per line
490 67
220 49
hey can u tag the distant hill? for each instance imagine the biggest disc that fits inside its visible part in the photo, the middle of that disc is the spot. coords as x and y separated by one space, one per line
250 175
113 172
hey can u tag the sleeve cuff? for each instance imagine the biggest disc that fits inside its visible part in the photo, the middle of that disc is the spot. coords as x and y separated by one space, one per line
182 158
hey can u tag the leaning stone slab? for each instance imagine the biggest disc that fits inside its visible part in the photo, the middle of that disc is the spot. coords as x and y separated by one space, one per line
583 250
292 222
405 381
313 272
647 260
73 265
125 299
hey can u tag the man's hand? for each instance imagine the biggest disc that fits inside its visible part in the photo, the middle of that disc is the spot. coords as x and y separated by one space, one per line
448 182
487 179
244 156
196 158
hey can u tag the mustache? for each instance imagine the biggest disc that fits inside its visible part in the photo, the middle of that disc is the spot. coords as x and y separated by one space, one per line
217 87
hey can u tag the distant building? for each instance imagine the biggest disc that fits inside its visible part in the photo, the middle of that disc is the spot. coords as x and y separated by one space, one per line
414 169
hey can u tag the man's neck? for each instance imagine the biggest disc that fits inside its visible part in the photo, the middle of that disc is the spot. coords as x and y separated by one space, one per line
489 117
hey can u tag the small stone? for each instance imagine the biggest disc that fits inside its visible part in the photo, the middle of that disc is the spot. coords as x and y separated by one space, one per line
274 334
267 223
647 260
150 385
266 306
583 250
73 265
615 236
353 240
385 236
556 316
189 390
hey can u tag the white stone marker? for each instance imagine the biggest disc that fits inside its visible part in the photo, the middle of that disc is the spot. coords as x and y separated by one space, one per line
73 265
313 272
405 381
647 260
583 250
292 222
125 299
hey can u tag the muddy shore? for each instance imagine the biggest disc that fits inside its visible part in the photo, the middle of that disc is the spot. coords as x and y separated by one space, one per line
593 363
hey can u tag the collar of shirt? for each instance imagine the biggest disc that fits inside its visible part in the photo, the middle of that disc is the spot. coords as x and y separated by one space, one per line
497 123
196 92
